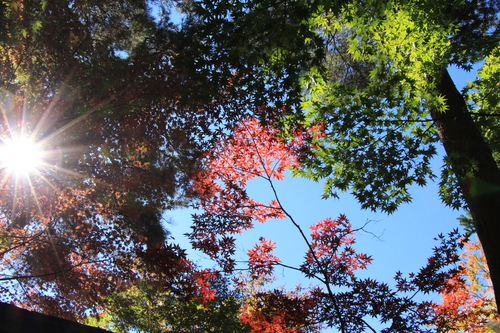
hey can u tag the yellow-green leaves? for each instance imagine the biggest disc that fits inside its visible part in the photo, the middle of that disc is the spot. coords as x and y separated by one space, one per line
484 100
374 96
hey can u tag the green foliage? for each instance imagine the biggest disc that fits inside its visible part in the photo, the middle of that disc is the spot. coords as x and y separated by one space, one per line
261 47
147 309
467 222
449 190
368 74
483 97
374 94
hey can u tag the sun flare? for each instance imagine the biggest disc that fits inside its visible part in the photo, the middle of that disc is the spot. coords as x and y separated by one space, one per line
20 155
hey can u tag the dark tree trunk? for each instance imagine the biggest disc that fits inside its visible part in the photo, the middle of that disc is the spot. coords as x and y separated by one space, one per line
466 147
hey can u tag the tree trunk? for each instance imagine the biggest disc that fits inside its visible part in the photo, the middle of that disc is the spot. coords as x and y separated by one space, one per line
466 147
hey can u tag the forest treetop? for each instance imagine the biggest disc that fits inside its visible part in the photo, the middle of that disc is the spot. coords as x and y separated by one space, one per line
128 108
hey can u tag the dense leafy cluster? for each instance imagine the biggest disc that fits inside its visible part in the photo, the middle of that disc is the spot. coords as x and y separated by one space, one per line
134 115
93 84
340 299
376 78
149 309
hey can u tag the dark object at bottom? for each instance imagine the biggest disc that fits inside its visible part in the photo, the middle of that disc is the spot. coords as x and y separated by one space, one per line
17 320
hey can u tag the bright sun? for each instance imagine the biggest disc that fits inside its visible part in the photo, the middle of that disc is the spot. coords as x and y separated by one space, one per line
20 155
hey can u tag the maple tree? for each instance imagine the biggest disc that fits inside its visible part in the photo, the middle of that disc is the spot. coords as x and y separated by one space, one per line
277 309
92 84
341 299
470 301
124 120
375 74
148 309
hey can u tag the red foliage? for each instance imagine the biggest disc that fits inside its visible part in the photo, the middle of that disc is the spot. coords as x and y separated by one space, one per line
342 299
331 253
467 298
204 288
251 151
261 259
277 311
460 310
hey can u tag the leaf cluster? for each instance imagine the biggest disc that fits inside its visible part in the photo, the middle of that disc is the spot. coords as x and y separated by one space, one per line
368 72
94 84
267 45
340 299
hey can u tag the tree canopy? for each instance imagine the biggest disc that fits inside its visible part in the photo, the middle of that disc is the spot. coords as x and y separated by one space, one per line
92 85
339 297
130 115
375 76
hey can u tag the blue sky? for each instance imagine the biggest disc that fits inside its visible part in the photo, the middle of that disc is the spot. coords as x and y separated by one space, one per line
404 239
